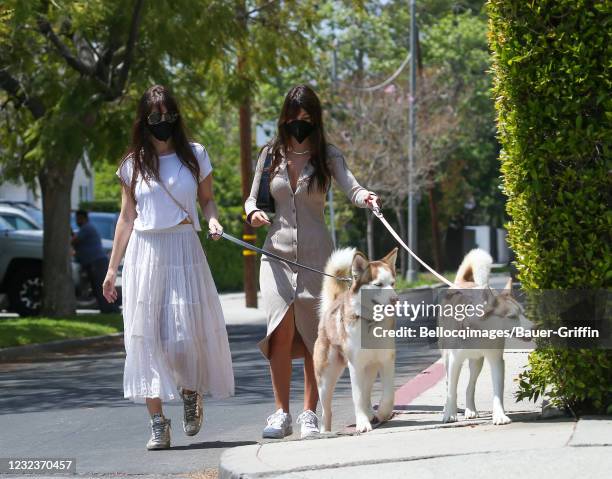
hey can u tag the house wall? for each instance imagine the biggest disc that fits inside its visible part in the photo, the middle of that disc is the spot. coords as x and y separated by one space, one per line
82 188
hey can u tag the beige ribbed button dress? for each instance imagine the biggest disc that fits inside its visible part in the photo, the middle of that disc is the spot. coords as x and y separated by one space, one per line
298 232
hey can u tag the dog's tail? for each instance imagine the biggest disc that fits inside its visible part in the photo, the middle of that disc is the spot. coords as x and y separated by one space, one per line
475 267
339 264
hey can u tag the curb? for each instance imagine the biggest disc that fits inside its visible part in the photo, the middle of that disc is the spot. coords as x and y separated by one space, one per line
30 350
404 395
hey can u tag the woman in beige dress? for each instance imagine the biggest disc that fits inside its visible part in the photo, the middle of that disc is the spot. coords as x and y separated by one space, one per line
302 166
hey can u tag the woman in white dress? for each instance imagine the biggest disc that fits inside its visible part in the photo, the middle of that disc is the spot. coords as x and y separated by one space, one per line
175 337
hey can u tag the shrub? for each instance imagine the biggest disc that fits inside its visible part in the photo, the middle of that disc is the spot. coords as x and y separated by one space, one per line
552 90
224 257
110 206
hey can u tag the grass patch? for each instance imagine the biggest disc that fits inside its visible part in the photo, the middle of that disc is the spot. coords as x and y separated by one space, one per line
34 330
423 279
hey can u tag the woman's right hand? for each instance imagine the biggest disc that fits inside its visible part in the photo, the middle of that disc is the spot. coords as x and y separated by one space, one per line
108 286
259 218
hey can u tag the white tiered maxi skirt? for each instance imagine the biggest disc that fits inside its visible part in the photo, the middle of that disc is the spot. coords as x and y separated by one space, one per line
175 332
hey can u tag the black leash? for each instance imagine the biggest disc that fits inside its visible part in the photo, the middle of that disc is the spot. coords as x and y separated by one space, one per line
251 247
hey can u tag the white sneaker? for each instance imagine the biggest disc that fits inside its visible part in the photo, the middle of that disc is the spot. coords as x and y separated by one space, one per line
279 425
160 432
309 422
192 412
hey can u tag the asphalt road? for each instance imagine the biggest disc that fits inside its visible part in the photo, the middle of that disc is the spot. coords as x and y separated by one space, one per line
73 407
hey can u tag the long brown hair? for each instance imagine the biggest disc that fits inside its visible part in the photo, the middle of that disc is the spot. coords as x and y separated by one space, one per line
142 151
302 96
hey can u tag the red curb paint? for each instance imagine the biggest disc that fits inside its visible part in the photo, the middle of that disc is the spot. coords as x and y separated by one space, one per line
419 384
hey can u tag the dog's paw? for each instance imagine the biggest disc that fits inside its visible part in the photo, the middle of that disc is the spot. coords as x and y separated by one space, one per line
500 419
363 425
384 412
449 417
470 413
383 416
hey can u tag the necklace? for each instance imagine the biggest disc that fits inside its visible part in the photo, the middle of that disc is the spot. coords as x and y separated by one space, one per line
299 152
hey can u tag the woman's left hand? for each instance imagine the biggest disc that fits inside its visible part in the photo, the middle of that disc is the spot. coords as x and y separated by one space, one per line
215 229
373 201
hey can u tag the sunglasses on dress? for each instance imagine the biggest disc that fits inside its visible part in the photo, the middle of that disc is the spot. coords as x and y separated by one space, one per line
156 117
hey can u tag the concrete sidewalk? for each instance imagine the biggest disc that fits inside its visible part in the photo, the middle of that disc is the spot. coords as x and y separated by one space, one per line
236 312
415 443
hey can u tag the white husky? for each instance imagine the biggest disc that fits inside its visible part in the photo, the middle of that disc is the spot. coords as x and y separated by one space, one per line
339 339
474 274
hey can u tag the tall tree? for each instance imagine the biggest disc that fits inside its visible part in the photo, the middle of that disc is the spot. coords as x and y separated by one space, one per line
371 41
70 73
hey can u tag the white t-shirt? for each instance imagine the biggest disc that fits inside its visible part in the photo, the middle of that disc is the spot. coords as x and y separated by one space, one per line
155 209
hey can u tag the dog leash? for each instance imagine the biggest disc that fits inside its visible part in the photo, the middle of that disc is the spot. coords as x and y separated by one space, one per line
379 215
251 247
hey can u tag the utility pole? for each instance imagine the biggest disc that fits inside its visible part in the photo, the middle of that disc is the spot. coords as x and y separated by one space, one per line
330 192
411 274
246 171
248 232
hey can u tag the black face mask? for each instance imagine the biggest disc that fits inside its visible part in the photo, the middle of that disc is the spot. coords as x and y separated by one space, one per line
299 129
162 130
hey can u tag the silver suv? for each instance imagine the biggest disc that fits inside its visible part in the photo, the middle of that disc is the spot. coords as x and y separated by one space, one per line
21 256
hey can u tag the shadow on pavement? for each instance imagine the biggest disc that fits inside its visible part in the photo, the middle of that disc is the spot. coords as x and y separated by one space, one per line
89 379
418 408
213 445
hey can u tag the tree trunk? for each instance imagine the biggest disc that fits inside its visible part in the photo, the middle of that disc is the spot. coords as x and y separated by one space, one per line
435 230
402 231
370 234
58 298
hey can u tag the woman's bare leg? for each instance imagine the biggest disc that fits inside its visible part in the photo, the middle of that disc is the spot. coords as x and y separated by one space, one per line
154 405
281 341
311 393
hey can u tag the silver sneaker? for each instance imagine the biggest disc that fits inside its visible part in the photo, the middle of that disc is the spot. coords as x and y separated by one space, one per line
309 422
279 425
193 413
160 433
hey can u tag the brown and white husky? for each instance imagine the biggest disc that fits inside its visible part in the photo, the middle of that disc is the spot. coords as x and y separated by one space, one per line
339 339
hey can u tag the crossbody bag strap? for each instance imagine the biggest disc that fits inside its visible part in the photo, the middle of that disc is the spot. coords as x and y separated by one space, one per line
178 204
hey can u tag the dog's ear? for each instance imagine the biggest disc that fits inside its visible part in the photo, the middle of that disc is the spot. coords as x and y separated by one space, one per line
507 291
391 257
360 264
489 299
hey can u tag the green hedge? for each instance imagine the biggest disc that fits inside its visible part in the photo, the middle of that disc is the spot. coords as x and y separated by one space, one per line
552 89
225 260
224 257
109 206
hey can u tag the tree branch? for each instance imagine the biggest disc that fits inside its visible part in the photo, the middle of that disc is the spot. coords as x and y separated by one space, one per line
92 72
45 28
129 47
10 84
262 7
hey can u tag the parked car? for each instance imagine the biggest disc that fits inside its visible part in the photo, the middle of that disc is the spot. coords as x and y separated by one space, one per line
21 255
18 218
32 210
104 222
